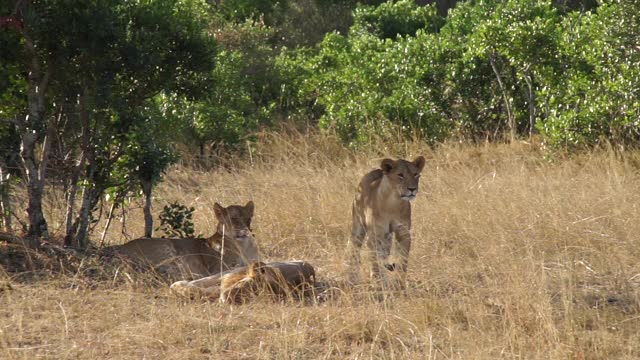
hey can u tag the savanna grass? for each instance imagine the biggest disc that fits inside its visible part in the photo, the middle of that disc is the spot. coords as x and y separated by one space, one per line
517 253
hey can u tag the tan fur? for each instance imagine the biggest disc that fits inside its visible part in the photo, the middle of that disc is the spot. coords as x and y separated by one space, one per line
197 257
239 287
381 209
276 280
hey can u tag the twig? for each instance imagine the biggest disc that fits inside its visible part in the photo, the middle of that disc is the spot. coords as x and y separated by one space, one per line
109 218
30 347
22 224
66 322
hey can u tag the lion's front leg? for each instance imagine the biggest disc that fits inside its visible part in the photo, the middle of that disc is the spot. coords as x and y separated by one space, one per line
188 290
403 237
185 289
379 249
214 280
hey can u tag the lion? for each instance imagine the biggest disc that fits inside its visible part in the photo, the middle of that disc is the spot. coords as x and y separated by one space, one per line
277 280
232 245
381 209
239 285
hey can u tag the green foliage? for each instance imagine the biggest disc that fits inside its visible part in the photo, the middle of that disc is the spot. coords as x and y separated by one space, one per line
241 10
176 221
243 85
293 23
565 69
162 49
13 94
13 84
305 22
145 158
229 113
105 62
10 149
368 85
396 18
597 96
494 66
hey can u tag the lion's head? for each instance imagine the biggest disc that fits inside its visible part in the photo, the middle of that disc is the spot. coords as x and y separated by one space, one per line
404 176
234 222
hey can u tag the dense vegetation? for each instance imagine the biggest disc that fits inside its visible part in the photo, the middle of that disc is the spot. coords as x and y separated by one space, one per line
94 95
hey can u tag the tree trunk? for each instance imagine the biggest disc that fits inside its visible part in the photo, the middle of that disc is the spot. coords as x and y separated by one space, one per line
35 188
91 195
148 219
507 102
37 223
83 217
71 199
5 200
532 102
109 219
87 202
75 172
30 131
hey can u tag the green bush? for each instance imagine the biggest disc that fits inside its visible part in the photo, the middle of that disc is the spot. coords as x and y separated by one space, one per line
396 18
494 68
176 221
596 97
366 84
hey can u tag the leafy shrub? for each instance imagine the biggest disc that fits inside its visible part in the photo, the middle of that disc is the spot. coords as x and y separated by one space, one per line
396 18
365 85
596 96
176 221
495 67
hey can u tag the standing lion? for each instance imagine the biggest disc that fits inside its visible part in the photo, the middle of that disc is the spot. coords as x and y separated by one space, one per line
381 209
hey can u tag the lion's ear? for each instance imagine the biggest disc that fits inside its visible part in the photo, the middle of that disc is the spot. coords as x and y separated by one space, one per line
218 210
249 209
387 165
419 162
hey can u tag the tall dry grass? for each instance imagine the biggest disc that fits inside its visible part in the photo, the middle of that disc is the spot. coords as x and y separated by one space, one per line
517 253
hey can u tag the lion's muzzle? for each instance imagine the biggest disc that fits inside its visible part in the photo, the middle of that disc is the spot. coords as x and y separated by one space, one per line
410 194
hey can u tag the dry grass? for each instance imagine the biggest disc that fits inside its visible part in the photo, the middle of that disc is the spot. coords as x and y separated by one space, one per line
516 255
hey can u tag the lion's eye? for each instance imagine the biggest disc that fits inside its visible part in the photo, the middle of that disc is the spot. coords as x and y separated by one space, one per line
417 175
401 176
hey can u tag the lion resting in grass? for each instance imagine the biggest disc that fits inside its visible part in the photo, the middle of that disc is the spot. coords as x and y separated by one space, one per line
381 209
277 279
232 245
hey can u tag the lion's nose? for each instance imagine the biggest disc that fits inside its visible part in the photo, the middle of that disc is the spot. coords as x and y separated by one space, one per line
413 189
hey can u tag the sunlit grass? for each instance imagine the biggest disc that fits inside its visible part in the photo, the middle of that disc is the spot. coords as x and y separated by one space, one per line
517 253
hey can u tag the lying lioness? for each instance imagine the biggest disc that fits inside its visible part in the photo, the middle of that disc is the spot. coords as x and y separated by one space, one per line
232 245
277 279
